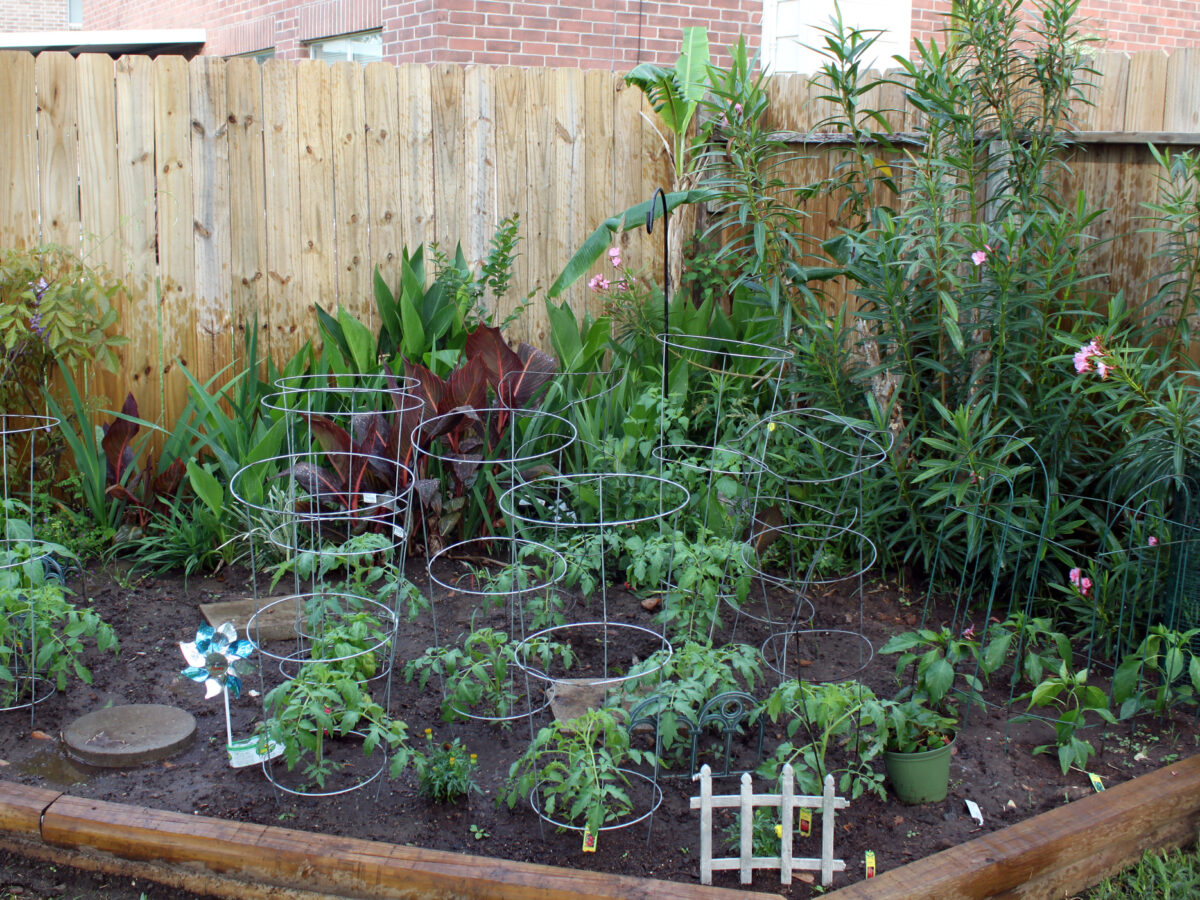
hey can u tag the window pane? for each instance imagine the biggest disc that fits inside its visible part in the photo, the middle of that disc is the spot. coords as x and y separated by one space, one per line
365 47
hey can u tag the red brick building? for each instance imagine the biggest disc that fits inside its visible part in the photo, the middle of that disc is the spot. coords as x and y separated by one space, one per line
587 33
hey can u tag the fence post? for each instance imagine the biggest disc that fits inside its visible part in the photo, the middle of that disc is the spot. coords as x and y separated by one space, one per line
706 869
787 792
746 857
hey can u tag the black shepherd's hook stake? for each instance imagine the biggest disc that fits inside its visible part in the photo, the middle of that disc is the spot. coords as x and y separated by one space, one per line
661 194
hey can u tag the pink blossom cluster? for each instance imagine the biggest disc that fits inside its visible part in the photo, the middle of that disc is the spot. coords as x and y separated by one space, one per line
1092 351
1081 582
979 257
599 283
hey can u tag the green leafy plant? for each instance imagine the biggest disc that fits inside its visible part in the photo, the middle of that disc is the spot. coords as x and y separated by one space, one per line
823 716
53 308
1162 673
683 681
1067 693
445 771
325 703
575 766
479 677
765 833
42 633
913 726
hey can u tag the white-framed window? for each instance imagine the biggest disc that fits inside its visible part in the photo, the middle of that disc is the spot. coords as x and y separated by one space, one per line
259 56
74 13
364 47
791 28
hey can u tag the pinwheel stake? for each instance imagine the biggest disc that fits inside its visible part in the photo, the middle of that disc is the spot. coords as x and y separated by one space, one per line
219 660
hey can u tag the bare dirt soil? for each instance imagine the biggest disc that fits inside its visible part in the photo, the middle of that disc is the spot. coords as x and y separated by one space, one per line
993 763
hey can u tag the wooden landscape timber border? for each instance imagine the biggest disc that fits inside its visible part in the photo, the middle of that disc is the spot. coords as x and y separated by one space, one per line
1055 854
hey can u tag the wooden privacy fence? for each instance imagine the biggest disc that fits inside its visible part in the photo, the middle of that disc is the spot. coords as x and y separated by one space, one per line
224 192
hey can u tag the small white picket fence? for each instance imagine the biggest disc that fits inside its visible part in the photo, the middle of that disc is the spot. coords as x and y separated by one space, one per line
788 802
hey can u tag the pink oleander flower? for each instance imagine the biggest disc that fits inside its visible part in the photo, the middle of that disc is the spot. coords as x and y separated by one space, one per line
599 283
1079 581
614 256
1103 368
1153 541
979 257
1083 358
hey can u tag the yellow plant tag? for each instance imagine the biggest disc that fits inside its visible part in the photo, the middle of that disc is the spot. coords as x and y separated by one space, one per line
870 863
805 822
1096 782
589 841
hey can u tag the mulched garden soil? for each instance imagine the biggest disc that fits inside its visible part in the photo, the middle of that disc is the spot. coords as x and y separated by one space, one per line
152 615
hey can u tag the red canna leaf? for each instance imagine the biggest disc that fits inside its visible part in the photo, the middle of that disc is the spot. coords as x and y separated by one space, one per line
118 435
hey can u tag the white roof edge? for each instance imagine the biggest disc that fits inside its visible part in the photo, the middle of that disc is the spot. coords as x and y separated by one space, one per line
49 40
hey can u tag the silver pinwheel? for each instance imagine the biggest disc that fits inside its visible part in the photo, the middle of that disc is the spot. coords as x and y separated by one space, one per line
217 659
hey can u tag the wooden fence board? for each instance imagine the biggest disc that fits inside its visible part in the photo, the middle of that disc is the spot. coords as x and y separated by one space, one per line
513 187
1181 103
447 119
247 202
479 163
134 90
598 153
627 168
351 199
19 225
318 255
210 204
58 149
416 156
383 170
176 228
97 117
539 148
565 225
99 202
285 298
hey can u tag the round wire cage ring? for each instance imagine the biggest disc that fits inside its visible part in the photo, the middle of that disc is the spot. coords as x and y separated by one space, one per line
530 709
742 359
268 771
656 801
593 500
483 549
813 446
303 615
523 652
36 687
497 422
816 651
805 555
298 485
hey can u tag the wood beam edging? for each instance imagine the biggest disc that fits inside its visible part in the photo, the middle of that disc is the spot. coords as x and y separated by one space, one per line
296 860
1055 853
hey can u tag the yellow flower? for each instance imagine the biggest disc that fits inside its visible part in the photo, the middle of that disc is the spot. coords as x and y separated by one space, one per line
452 760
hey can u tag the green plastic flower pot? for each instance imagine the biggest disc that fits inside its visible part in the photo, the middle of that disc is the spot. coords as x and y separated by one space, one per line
921 777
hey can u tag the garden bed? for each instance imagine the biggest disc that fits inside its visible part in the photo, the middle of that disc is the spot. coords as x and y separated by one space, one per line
152 615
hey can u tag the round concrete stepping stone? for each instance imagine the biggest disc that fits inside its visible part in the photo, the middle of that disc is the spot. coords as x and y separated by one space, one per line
121 736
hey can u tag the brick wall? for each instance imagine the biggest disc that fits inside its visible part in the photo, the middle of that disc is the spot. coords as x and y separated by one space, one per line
585 33
1127 25
33 15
